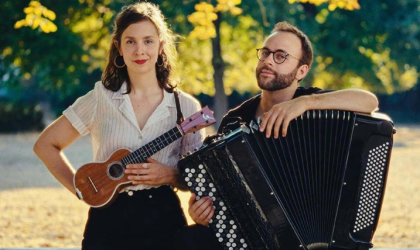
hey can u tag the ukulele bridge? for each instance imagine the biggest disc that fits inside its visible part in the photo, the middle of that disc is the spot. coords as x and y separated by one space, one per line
93 185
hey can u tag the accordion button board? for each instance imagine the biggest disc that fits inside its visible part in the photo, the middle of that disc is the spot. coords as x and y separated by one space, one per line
320 187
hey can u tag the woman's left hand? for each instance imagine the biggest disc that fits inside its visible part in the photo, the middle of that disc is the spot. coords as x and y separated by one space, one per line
151 173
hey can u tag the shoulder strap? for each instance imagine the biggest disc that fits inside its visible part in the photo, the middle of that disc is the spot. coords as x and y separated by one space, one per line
180 117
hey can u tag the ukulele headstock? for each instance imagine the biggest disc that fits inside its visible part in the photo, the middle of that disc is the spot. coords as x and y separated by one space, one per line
198 120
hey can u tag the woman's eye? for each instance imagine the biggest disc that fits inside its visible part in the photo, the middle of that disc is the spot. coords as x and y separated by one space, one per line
130 42
149 41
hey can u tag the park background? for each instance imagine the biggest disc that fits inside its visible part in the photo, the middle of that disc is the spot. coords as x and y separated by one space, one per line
52 52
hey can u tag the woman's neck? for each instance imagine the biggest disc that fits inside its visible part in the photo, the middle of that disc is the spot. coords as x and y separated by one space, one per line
144 84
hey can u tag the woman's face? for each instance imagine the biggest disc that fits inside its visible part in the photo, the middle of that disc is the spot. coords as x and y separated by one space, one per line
140 48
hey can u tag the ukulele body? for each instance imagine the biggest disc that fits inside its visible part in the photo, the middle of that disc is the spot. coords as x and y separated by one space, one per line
99 183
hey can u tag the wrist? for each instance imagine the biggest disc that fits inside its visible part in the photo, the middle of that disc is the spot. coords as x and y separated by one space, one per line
310 101
176 175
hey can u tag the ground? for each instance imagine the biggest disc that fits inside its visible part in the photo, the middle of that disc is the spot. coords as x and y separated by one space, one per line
37 212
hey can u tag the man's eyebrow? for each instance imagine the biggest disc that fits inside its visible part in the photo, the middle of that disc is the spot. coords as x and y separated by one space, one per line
281 50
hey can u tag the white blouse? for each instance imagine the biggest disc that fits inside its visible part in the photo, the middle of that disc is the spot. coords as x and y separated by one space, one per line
110 119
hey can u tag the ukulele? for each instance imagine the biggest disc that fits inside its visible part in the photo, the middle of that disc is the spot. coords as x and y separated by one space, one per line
99 183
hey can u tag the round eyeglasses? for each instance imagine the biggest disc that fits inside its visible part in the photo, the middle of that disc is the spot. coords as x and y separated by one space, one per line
279 56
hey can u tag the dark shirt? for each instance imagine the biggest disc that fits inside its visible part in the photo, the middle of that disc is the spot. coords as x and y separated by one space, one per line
247 110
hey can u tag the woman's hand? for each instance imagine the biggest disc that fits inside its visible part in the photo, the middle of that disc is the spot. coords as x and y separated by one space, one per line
151 173
201 211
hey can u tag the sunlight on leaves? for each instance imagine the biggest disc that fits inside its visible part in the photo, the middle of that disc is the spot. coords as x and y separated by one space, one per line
332 4
238 52
37 16
206 14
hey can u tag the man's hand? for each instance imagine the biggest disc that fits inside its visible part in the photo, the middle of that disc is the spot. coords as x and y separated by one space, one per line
281 114
151 173
201 211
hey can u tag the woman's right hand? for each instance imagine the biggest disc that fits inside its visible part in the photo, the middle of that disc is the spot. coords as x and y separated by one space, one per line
201 211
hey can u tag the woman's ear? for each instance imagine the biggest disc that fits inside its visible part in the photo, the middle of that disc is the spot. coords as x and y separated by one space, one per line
118 47
160 48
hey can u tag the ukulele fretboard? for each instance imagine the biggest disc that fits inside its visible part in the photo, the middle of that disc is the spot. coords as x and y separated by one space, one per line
141 154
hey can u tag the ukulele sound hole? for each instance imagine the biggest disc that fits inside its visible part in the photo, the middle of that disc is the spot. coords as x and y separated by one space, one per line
115 171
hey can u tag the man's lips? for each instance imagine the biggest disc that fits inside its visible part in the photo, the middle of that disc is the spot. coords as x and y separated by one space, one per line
267 72
140 61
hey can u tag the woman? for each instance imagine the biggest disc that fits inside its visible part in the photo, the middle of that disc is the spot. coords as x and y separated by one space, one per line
132 105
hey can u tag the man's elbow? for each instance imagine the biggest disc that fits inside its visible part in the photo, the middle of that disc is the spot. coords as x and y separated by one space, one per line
373 104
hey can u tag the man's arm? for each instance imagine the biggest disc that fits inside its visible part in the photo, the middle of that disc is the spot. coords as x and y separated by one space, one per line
350 99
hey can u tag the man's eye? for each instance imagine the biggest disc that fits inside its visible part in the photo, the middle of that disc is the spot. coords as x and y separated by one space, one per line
265 53
130 42
280 55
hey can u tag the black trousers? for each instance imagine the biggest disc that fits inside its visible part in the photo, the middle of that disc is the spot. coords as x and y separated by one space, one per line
196 237
147 220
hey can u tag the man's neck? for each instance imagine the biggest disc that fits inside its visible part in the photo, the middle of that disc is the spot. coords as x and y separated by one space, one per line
271 98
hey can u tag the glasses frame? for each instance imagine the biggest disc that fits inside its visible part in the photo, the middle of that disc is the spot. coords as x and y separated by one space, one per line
273 52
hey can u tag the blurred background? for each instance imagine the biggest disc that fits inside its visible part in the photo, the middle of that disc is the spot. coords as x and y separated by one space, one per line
53 51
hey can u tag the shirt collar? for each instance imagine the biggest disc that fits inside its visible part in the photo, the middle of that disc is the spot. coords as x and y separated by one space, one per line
169 99
119 94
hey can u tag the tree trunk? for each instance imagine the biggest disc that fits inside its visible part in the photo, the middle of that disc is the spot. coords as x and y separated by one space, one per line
220 98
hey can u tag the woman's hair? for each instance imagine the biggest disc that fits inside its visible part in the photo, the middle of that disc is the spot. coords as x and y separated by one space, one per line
307 53
113 77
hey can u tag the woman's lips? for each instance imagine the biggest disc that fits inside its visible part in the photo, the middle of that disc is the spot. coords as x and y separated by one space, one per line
140 61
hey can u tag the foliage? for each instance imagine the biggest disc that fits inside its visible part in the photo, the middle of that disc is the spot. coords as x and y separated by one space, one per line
20 117
374 47
332 4
378 51
205 15
38 16
238 53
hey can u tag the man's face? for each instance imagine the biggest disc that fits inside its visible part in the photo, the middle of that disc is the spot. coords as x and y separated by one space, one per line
272 76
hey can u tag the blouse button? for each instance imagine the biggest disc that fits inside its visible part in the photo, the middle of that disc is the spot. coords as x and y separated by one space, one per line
150 196
130 193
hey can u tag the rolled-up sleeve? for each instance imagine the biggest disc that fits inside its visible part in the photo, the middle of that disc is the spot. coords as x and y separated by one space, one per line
81 113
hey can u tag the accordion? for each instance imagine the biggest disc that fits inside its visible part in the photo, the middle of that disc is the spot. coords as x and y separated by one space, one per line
320 187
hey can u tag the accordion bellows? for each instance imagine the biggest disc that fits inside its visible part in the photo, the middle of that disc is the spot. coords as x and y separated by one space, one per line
320 187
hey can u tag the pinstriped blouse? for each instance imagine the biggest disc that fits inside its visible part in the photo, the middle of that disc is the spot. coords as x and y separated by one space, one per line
110 119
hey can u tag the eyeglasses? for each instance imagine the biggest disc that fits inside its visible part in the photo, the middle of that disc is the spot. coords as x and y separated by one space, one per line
279 56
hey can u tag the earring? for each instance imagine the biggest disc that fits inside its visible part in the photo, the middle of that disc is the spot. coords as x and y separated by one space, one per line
162 59
119 58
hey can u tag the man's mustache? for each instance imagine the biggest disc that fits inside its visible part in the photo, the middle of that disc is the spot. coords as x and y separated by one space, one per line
266 68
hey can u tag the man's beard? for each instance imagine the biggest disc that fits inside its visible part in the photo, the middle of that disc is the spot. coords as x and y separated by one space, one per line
279 82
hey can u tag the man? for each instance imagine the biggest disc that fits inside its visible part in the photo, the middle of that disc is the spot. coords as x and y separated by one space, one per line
284 60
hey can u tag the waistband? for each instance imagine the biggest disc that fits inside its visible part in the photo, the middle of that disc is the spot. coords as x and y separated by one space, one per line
162 190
